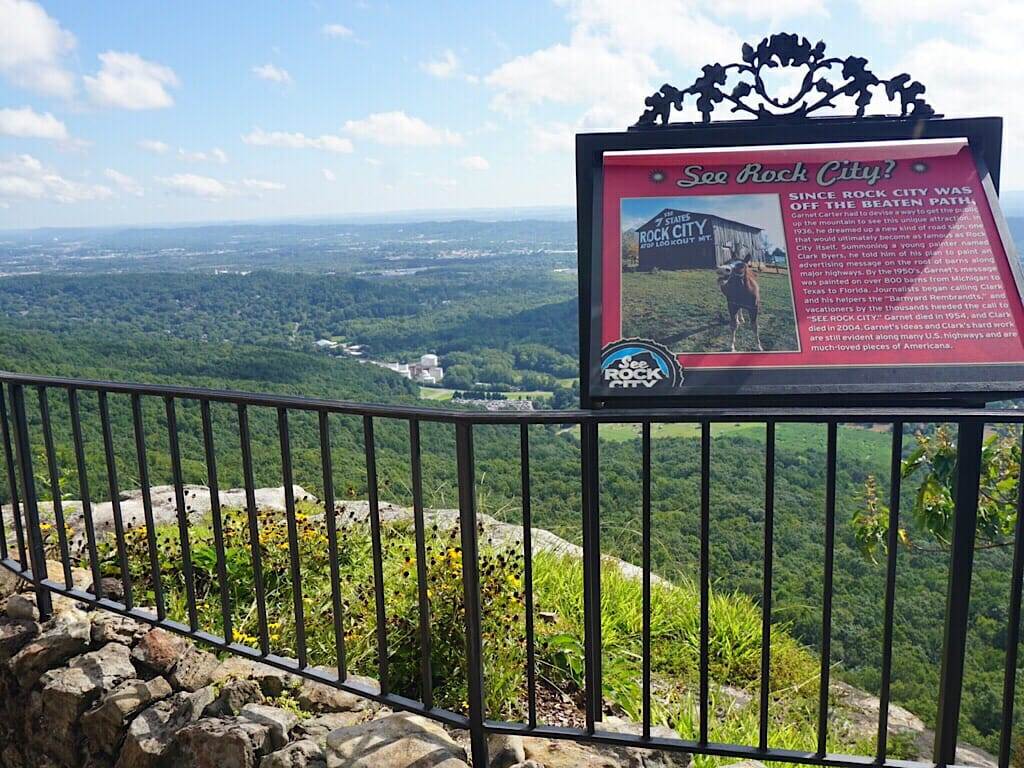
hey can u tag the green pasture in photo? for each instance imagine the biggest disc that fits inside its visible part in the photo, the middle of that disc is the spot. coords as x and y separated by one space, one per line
686 311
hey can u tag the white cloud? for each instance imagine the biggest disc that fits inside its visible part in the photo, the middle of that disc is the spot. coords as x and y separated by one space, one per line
125 183
24 176
193 185
889 13
25 123
400 128
973 75
329 174
32 45
325 143
446 66
154 146
260 185
557 137
270 72
215 155
336 30
475 163
128 81
209 188
588 71
612 60
775 11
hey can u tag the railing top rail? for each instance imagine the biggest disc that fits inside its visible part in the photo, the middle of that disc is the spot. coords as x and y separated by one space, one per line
930 413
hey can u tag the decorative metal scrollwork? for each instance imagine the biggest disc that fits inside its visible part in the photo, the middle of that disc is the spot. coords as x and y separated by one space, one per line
821 86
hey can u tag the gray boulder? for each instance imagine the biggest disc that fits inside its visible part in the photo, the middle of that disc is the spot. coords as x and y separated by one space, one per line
63 636
320 697
299 754
15 634
217 742
234 694
104 725
195 669
114 628
395 741
150 733
279 721
67 692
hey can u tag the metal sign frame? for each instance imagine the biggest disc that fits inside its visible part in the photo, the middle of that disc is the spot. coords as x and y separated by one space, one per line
793 126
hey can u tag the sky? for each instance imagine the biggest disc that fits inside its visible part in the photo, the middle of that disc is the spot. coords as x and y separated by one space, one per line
143 112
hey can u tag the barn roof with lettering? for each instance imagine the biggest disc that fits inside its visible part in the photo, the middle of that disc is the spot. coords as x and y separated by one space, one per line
669 213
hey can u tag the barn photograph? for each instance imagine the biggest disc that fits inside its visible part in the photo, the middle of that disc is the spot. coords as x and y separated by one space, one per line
707 274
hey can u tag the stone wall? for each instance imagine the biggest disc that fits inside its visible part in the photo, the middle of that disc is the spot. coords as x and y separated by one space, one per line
93 689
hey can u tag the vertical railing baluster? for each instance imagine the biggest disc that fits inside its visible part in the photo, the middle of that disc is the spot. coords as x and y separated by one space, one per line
378 554
19 533
591 573
766 591
115 500
645 535
11 486
826 608
970 434
183 522
705 575
419 526
293 538
218 522
37 553
471 592
83 486
1013 624
531 661
55 489
147 507
889 612
245 443
332 543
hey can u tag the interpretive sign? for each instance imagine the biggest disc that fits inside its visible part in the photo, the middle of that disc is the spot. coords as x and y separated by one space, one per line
862 267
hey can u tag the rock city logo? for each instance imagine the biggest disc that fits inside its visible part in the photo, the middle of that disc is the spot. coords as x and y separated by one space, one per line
640 365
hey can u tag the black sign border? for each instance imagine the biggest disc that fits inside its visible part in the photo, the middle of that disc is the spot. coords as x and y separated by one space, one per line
969 384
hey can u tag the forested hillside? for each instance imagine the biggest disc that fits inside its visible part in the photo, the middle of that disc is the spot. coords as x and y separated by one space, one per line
497 308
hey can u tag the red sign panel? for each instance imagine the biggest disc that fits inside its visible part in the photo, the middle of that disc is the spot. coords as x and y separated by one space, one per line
851 256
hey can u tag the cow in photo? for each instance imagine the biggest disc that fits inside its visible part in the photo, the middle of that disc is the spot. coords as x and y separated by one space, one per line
737 281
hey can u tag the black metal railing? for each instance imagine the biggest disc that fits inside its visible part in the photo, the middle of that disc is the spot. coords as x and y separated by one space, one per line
38 460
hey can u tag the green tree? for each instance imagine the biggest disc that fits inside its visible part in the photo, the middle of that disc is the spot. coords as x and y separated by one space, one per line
933 462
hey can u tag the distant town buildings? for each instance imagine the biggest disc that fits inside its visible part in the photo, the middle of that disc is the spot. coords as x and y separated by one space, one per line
427 371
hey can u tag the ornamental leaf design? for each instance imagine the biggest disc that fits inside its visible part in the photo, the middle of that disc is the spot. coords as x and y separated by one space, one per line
824 82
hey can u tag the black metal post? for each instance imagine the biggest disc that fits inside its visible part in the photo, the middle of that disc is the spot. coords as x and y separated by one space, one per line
35 536
826 597
531 661
958 593
591 572
705 578
1013 627
12 482
471 592
892 545
766 587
